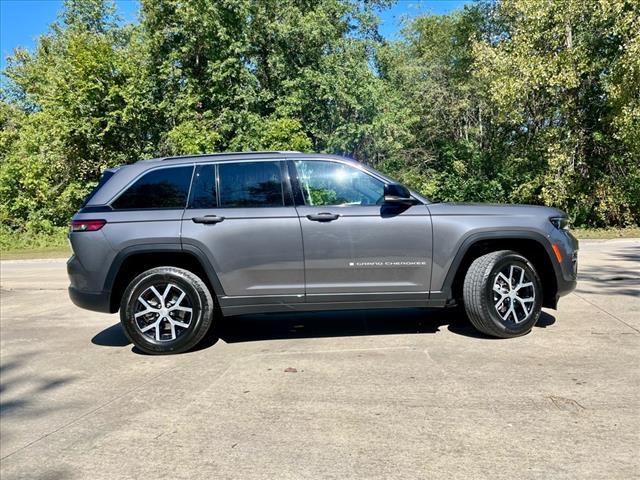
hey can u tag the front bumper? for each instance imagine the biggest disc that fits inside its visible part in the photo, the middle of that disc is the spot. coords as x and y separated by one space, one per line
566 287
567 269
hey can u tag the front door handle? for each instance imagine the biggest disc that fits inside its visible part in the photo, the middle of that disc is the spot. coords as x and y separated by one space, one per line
207 219
323 217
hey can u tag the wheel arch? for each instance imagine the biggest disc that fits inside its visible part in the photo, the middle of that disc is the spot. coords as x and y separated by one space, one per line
531 245
134 260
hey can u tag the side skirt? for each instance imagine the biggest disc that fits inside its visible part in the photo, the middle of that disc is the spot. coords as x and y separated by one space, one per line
230 305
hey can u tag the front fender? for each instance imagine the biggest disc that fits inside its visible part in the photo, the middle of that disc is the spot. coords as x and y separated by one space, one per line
447 263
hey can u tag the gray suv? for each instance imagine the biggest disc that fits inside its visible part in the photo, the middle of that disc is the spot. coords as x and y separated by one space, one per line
174 243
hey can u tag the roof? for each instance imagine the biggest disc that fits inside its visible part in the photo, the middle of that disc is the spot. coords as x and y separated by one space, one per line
235 156
221 155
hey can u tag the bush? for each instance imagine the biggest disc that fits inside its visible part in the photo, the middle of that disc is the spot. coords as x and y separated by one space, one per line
33 236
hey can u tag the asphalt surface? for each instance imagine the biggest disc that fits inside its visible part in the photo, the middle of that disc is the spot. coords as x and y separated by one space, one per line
385 394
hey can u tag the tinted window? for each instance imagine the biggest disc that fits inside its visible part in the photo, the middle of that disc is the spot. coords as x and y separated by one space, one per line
333 183
164 188
203 191
256 184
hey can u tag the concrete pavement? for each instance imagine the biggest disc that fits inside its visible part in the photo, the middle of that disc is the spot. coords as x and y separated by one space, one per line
382 394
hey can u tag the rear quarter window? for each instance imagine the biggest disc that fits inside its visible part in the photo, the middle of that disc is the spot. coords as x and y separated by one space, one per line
103 179
162 188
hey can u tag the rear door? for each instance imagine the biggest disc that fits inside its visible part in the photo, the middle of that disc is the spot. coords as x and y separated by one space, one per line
241 215
354 246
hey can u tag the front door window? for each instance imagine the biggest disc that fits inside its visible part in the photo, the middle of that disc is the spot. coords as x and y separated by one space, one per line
336 184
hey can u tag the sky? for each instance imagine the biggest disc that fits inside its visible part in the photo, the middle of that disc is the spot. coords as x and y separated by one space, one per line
22 21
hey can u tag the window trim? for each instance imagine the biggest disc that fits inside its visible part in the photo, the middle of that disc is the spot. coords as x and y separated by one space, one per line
141 175
287 187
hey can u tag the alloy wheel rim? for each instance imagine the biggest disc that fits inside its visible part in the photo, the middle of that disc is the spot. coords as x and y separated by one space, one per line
514 294
165 316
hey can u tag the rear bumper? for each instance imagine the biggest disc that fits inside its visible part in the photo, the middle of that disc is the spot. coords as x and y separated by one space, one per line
82 291
96 301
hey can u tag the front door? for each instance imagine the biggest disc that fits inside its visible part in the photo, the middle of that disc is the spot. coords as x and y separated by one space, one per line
241 215
353 244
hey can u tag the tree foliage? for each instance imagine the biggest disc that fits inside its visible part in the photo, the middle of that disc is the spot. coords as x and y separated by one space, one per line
557 83
509 101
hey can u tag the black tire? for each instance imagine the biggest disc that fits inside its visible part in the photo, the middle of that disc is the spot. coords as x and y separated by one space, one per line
197 298
482 302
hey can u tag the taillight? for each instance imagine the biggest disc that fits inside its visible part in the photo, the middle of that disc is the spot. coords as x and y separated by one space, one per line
87 225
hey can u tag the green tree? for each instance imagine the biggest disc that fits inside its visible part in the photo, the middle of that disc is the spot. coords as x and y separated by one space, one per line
84 107
449 155
562 81
236 74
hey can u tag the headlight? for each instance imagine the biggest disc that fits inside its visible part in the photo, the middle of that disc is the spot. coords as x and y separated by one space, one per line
561 223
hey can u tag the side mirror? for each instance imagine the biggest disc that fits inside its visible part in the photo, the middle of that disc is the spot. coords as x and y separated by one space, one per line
396 194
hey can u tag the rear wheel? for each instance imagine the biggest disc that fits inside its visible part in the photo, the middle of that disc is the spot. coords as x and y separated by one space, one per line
166 310
502 294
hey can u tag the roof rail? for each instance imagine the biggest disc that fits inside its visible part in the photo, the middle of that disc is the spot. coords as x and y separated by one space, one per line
225 154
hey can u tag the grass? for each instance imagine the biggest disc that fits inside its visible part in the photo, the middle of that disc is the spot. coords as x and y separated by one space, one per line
33 253
17 244
606 233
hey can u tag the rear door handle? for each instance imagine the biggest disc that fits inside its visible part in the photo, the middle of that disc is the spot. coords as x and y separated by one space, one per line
323 217
207 219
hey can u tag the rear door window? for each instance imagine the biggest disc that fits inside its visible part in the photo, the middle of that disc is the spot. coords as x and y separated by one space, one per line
251 184
162 188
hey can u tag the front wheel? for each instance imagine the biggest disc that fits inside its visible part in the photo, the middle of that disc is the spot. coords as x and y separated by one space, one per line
502 294
166 310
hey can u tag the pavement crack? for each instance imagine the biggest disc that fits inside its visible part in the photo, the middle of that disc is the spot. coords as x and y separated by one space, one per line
605 311
568 404
332 350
